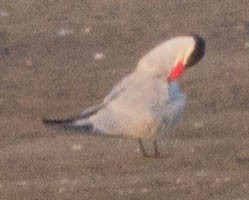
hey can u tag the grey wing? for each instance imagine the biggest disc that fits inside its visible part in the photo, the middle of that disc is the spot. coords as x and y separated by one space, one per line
82 123
116 91
91 110
119 88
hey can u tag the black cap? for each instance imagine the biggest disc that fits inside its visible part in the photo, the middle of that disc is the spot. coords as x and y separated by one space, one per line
198 53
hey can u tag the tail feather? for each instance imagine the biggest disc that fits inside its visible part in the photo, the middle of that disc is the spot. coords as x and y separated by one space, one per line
78 125
69 124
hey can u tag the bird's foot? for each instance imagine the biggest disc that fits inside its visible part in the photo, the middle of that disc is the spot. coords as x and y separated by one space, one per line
146 155
157 154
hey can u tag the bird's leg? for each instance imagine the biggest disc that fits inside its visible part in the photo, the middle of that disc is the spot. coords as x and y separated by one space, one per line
142 149
157 154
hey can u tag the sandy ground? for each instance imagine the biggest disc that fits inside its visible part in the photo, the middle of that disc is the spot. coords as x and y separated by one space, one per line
48 67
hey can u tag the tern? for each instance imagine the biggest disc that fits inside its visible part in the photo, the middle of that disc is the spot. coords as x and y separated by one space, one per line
147 100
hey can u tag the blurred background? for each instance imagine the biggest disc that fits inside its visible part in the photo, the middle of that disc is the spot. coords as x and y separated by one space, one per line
58 57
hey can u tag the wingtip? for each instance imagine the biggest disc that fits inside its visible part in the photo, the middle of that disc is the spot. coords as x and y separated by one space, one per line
47 121
67 124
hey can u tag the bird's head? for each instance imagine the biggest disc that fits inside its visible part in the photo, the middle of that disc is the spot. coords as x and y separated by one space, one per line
174 56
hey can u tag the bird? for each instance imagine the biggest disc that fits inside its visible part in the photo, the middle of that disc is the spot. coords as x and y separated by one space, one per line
147 100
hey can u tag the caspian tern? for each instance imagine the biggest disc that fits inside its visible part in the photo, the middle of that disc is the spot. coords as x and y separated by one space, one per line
145 101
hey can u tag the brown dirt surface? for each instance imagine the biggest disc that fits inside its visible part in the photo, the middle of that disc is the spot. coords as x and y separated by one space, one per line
47 69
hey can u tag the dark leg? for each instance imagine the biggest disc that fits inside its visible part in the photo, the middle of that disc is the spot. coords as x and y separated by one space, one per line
157 154
142 149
